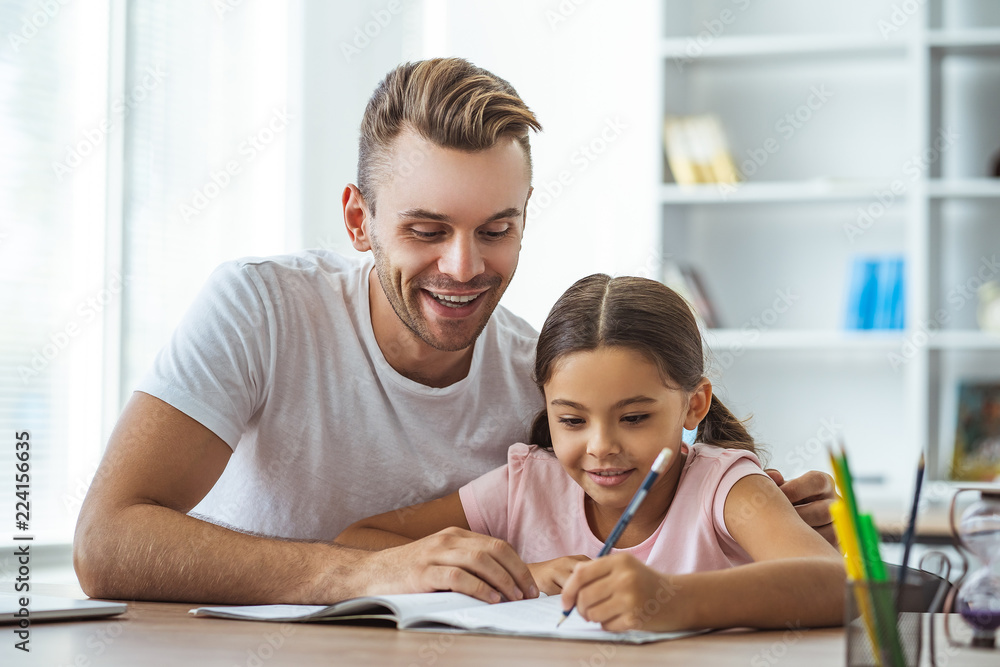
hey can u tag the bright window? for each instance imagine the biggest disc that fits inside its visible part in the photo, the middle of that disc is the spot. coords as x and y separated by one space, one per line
141 144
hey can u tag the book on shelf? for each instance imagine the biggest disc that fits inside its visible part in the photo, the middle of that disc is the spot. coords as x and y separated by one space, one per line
686 281
876 293
976 456
445 612
697 150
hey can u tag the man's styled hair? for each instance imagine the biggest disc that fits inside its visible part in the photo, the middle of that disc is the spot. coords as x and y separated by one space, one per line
448 101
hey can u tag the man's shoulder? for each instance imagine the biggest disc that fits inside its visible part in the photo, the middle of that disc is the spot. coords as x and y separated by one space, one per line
303 262
511 328
307 274
513 342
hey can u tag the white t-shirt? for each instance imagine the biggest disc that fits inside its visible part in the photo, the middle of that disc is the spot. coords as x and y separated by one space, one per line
277 357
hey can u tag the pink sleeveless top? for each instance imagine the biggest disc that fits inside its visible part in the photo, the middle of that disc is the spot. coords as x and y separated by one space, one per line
535 506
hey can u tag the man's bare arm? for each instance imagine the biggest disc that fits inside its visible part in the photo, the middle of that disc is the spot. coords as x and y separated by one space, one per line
134 539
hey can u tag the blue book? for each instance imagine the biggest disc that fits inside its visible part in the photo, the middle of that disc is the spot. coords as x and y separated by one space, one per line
899 296
889 293
867 302
853 318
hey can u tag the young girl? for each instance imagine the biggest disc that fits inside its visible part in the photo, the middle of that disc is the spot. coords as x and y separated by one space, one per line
714 544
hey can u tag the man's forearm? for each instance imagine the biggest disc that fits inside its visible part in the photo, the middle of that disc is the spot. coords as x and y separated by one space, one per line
151 552
371 539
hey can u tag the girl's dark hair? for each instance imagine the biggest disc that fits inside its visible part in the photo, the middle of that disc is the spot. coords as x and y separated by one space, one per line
641 315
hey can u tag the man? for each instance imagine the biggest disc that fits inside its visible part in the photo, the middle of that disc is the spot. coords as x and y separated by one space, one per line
306 391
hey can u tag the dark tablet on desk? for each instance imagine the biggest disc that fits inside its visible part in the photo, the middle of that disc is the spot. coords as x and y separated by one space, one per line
48 608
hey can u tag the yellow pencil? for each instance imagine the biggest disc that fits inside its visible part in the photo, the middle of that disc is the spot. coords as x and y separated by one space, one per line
855 571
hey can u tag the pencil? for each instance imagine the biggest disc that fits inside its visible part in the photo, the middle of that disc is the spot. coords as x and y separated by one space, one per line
911 530
659 467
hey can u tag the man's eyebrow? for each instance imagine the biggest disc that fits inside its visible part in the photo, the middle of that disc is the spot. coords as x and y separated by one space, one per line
511 212
620 404
424 214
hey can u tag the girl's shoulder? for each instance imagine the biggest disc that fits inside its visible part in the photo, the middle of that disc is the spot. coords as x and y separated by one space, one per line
520 455
711 455
531 465
708 463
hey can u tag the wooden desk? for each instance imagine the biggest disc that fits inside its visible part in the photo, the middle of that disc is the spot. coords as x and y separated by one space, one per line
156 633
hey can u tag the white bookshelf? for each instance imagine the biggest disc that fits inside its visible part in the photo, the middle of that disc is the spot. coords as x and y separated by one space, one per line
792 224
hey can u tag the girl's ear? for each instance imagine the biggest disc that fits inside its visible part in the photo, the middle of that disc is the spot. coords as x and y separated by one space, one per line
699 402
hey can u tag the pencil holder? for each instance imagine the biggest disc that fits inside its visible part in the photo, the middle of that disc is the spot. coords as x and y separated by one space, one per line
878 636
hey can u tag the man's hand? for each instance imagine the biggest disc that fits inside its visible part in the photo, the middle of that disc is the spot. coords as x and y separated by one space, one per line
452 559
811 495
551 575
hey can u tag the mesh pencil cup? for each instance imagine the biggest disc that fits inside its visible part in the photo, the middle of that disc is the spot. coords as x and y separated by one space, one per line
874 628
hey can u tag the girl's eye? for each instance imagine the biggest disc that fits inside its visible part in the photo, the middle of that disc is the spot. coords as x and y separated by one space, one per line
570 421
634 419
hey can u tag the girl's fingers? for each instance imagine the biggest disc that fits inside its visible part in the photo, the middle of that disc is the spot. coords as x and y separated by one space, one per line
580 589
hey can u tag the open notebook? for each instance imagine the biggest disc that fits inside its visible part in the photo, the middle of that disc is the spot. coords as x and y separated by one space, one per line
447 612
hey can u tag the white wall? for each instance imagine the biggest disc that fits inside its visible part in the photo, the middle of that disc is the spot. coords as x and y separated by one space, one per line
339 67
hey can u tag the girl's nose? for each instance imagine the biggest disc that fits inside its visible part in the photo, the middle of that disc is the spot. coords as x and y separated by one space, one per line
603 443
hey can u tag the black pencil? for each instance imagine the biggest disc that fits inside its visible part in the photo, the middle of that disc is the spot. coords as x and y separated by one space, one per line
911 532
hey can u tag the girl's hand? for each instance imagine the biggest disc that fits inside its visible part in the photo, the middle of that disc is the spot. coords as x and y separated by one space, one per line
621 593
550 576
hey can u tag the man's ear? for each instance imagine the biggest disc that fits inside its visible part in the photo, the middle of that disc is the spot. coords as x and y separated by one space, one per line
357 219
699 402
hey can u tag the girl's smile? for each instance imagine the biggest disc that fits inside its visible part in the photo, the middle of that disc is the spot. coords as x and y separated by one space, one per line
610 476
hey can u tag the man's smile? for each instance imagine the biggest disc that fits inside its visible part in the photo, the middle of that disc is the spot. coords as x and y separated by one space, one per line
454 306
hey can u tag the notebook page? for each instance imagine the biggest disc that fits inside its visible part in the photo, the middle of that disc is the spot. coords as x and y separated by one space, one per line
535 618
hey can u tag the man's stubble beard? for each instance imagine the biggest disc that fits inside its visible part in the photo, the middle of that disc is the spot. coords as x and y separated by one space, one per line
413 319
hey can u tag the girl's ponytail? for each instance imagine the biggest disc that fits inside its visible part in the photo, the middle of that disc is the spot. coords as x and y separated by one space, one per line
722 429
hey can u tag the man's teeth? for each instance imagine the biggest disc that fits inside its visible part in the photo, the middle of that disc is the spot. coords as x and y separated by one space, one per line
454 301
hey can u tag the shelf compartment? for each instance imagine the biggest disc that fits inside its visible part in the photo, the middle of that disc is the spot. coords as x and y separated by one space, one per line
750 256
799 399
965 238
779 115
965 108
